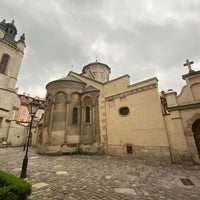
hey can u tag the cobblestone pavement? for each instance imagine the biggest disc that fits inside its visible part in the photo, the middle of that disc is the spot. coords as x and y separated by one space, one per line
83 177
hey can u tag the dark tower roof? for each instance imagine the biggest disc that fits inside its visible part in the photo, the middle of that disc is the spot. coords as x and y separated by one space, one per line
91 89
3 25
66 79
10 31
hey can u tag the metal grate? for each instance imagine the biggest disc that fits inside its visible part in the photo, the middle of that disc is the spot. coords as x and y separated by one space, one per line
186 181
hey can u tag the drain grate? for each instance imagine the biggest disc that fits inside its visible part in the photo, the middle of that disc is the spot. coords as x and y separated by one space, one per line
186 181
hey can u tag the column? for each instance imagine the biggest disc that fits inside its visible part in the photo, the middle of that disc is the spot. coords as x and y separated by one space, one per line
82 122
66 122
93 124
51 122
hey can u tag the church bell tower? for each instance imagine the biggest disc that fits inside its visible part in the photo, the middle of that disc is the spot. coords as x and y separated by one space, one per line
11 54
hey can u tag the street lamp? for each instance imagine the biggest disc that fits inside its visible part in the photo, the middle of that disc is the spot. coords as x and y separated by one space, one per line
32 108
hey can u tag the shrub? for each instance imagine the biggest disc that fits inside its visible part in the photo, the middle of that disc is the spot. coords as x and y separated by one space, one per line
13 188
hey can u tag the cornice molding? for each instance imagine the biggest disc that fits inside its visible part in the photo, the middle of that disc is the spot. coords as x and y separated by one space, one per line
11 46
184 106
133 91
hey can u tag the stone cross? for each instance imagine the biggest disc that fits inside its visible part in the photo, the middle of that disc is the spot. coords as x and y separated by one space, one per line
188 64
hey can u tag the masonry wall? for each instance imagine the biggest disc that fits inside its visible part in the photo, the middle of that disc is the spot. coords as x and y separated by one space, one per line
142 129
17 134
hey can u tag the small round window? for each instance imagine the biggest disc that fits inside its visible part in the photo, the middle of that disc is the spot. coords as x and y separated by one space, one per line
124 111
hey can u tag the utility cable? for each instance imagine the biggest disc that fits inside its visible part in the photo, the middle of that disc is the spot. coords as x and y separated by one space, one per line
88 41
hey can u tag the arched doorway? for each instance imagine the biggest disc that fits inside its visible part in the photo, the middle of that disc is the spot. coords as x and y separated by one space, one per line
196 132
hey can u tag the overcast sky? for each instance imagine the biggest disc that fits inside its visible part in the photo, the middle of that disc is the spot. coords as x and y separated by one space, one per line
142 38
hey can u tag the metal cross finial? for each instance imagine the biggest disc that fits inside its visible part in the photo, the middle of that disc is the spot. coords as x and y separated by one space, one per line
188 64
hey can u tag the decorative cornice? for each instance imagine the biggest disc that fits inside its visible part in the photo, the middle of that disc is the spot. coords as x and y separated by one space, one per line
133 91
11 46
184 106
145 81
8 90
116 79
4 109
192 73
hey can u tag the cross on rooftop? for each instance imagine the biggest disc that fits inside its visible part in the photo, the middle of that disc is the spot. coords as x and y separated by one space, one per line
188 64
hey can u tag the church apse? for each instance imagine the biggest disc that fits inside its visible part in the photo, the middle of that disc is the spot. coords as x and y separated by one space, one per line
70 123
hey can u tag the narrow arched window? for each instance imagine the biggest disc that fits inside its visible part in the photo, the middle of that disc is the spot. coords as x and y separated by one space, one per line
87 114
4 63
75 116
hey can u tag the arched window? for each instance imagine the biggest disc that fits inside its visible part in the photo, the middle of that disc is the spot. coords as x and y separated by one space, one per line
75 116
4 63
87 114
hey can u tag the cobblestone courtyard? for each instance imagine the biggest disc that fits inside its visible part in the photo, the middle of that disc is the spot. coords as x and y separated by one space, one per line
83 177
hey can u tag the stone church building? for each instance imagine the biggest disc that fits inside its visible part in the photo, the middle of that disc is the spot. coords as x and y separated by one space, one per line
88 113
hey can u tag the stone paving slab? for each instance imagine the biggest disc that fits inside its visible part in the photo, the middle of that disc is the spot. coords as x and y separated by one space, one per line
83 177
39 185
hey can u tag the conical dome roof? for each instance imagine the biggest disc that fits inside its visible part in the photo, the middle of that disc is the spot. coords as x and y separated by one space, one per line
70 78
10 31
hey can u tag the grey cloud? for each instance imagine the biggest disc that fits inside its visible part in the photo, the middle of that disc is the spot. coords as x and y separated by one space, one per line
140 38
